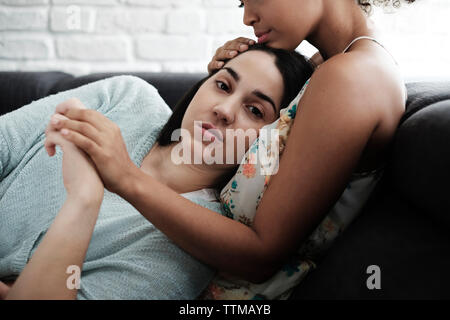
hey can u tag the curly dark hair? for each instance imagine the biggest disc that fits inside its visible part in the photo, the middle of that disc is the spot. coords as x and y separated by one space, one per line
366 5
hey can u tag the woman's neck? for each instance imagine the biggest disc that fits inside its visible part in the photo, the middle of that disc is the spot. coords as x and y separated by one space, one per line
341 22
181 178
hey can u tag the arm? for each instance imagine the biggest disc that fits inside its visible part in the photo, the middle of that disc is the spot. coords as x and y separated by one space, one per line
66 241
65 244
324 147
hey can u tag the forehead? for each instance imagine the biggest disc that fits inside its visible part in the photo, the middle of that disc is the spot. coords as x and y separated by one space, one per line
257 70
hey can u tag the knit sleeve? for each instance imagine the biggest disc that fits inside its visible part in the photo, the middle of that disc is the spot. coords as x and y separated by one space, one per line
23 130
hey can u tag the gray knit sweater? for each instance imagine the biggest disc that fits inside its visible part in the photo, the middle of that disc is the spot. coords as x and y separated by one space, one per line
128 258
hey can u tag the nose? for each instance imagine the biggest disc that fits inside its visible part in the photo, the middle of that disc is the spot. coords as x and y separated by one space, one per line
225 112
250 17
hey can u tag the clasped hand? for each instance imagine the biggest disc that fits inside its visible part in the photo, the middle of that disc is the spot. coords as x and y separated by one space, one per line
98 137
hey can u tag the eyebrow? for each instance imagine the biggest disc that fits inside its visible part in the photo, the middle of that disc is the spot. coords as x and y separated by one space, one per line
256 93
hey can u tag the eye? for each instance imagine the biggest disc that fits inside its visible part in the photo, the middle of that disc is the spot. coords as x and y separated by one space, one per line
242 4
255 111
222 86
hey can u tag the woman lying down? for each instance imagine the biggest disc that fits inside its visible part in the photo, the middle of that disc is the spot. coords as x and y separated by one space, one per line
63 236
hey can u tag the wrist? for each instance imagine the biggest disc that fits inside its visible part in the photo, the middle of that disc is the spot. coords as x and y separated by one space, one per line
85 202
129 185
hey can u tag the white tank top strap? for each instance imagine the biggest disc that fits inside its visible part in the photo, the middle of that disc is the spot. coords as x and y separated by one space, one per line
369 38
376 41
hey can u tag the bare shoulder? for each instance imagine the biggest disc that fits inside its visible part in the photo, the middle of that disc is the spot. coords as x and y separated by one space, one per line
366 80
373 87
345 84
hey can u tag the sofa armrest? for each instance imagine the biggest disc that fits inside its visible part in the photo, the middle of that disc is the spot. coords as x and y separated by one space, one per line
421 158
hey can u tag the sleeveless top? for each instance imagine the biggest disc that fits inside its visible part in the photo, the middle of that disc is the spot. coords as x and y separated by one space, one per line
240 199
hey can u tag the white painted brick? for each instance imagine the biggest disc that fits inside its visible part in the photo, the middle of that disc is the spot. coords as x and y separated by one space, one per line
132 21
127 67
164 34
148 3
62 19
92 48
185 3
227 21
8 65
172 47
23 19
186 66
164 3
221 3
75 68
186 21
24 48
23 2
89 2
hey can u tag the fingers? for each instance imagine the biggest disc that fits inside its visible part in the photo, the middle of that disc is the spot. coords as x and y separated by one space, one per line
232 48
214 65
74 109
228 51
54 138
65 105
84 128
50 147
316 60
87 145
93 117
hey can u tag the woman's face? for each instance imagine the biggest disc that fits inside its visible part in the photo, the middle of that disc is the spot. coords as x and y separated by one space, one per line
281 24
245 94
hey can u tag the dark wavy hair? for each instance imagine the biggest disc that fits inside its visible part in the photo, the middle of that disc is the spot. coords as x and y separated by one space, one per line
366 5
295 70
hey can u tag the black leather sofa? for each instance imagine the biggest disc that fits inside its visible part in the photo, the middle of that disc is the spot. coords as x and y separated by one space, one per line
403 229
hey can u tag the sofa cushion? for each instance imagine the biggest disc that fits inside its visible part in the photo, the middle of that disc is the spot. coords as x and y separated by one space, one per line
410 249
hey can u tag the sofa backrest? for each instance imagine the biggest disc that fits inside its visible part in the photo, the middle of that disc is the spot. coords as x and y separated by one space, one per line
20 88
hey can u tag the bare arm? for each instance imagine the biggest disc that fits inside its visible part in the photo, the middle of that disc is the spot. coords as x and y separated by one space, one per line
66 241
324 147
65 244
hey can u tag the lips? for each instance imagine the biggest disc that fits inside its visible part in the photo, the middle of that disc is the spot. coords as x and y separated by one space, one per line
262 35
216 133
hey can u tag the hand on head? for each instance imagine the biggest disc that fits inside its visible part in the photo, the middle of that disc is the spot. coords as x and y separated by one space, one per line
227 51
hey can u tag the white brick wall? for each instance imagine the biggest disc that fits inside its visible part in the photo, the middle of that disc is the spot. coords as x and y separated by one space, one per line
84 36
